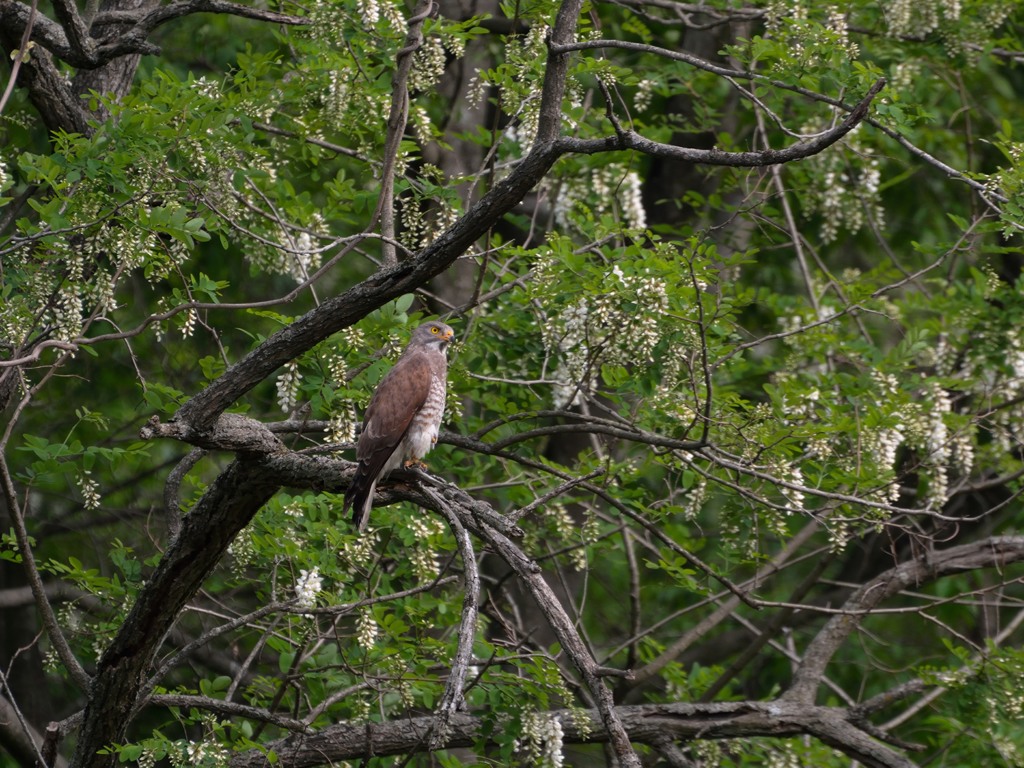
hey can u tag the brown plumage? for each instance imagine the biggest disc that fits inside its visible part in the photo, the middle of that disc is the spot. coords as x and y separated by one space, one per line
404 415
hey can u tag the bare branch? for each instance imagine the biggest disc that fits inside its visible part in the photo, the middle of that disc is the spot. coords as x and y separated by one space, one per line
627 139
17 737
228 708
451 699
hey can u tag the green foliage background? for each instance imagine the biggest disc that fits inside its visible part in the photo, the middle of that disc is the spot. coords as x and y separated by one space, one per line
829 353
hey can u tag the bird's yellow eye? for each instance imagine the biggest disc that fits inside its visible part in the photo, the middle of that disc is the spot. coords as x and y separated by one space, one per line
434 329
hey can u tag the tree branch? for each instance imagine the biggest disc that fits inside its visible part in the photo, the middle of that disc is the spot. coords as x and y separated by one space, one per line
397 120
644 724
451 699
228 708
631 140
997 551
228 504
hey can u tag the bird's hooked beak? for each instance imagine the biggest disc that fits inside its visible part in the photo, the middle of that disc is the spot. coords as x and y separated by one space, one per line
448 336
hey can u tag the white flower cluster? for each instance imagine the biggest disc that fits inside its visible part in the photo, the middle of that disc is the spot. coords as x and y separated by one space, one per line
521 96
919 18
242 551
427 65
201 753
288 382
422 127
559 515
369 12
837 23
455 45
305 259
845 185
424 563
782 756
366 628
307 587
423 556
147 759
421 228
328 23
341 426
1001 380
937 445
644 92
589 533
612 190
525 131
209 89
883 445
839 534
572 367
188 324
694 500
67 317
633 211
779 10
336 98
89 489
590 332
476 89
794 496
905 75
541 741
361 550
811 45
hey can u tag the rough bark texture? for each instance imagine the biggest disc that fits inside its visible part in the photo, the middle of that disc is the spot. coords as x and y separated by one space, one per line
206 531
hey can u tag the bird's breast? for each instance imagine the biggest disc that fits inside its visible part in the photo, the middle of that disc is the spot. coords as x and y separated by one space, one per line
426 423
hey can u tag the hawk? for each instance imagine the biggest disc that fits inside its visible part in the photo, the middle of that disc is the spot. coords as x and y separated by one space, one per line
404 416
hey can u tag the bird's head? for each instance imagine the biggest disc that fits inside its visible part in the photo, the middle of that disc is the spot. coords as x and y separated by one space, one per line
434 333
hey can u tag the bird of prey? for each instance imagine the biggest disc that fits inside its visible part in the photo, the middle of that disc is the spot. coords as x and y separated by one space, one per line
404 416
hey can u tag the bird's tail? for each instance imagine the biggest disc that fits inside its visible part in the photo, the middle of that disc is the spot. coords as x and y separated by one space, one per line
359 497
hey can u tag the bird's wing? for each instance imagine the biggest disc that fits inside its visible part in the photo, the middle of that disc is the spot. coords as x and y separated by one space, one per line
399 396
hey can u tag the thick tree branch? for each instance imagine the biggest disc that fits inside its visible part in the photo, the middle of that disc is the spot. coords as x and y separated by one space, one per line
644 724
148 19
228 504
79 40
48 89
121 32
994 552
227 708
